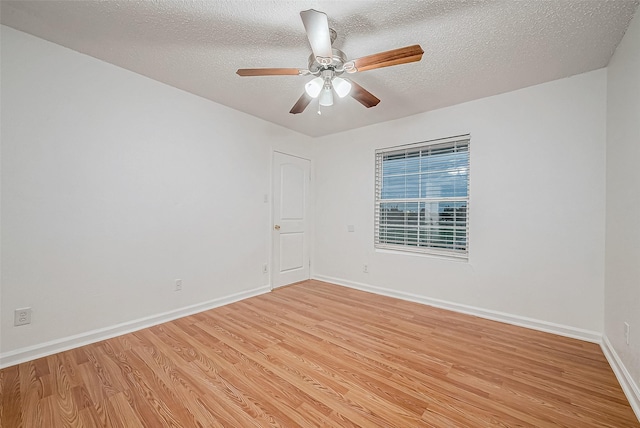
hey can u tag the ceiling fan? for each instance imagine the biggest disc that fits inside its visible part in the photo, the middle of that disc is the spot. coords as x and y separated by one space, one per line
328 64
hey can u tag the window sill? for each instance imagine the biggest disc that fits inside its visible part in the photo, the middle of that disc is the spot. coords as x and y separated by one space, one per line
434 255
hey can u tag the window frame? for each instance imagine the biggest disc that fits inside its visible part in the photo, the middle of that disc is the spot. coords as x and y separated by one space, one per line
378 200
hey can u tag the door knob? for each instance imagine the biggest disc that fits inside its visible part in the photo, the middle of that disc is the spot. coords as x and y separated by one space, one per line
276 227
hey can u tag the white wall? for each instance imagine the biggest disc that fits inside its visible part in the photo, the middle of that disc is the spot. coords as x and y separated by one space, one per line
114 185
537 211
622 280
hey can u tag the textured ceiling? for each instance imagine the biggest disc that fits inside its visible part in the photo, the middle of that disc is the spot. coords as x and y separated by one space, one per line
472 49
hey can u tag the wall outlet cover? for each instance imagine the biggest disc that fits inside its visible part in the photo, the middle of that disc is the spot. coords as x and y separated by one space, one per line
22 316
626 332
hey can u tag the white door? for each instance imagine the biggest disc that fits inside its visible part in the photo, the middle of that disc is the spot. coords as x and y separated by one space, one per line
290 222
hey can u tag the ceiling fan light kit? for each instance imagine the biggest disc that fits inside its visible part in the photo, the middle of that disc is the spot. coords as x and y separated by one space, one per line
328 63
326 97
314 87
341 86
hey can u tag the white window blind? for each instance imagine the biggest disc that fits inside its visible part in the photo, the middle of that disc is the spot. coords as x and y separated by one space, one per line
422 197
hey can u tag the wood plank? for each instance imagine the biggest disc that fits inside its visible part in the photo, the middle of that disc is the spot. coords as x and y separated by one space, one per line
317 354
11 403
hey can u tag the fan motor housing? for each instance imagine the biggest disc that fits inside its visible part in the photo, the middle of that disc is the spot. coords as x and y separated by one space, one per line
337 63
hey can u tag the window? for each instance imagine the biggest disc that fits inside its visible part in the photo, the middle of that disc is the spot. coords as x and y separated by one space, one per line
422 197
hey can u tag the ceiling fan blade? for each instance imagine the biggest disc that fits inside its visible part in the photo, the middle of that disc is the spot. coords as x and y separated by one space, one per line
301 104
317 27
269 72
363 96
385 59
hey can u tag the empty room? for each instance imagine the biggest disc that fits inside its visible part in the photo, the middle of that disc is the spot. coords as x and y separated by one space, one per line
359 213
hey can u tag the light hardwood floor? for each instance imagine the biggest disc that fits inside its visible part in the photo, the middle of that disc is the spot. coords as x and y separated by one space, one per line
317 354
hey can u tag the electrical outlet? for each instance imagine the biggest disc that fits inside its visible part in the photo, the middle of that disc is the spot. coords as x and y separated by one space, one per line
265 268
22 316
626 332
178 285
365 268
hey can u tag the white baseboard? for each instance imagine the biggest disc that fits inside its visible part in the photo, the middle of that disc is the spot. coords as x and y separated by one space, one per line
64 344
548 327
629 386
